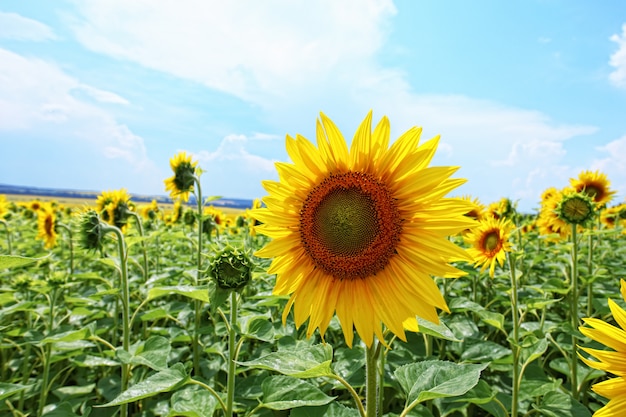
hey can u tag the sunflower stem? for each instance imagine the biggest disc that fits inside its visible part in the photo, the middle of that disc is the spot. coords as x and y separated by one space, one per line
574 313
589 274
122 250
197 303
143 244
6 227
232 335
70 244
515 347
371 380
43 396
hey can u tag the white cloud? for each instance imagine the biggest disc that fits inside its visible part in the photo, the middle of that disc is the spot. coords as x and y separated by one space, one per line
253 50
14 26
38 101
618 59
613 163
232 152
102 95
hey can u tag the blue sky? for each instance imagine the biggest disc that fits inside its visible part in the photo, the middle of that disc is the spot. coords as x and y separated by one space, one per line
99 95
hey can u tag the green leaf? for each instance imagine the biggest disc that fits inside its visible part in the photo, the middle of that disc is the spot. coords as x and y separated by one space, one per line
12 261
558 404
440 330
90 361
493 319
69 336
284 392
533 348
333 409
63 409
192 402
481 351
307 362
154 353
436 379
196 293
163 381
6 390
258 327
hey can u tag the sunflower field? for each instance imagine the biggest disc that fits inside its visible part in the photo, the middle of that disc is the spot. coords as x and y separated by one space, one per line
358 287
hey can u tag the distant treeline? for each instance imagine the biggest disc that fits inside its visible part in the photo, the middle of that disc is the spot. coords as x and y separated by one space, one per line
50 192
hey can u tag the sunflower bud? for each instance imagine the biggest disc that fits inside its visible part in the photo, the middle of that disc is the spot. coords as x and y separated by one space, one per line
91 233
231 268
576 208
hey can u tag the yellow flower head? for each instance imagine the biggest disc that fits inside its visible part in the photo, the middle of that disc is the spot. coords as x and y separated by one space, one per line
361 231
548 220
181 184
4 206
489 243
46 225
595 185
609 361
477 211
612 216
114 207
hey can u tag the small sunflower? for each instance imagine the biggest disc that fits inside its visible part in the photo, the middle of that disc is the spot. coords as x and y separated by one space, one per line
548 221
612 217
46 225
4 206
595 185
489 243
610 361
477 212
181 184
504 208
114 207
360 232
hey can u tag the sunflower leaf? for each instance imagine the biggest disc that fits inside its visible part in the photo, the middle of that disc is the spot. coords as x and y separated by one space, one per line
11 261
197 293
557 404
192 402
6 390
284 392
309 362
436 379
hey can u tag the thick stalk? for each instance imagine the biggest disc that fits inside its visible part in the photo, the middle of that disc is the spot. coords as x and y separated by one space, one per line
232 335
6 227
121 244
371 380
70 244
590 275
43 396
197 303
515 347
143 244
574 314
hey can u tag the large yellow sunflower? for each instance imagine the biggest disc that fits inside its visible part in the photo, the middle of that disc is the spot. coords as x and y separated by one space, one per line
610 361
360 232
181 184
489 243
595 185
46 225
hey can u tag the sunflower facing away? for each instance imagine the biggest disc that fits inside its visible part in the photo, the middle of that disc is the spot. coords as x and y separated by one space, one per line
359 232
181 184
114 207
595 185
46 225
489 243
610 361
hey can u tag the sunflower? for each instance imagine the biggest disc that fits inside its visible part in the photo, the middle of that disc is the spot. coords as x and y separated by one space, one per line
181 184
610 361
46 225
4 206
548 221
595 185
360 232
477 212
612 217
489 243
114 207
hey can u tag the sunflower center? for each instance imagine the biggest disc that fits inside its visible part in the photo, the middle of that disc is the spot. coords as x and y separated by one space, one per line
491 241
594 192
350 225
48 225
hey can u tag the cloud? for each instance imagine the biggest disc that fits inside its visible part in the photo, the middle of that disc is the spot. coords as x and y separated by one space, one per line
101 95
14 26
612 163
618 59
38 103
253 50
232 151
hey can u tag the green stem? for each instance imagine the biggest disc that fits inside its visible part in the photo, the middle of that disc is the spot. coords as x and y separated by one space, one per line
515 348
6 226
574 314
353 393
143 244
211 390
230 393
197 303
371 380
43 396
590 275
70 243
121 244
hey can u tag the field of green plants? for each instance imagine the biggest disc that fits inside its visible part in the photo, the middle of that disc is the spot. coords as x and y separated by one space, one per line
160 314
